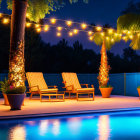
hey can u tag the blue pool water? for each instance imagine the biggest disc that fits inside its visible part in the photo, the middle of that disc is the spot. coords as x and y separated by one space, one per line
115 126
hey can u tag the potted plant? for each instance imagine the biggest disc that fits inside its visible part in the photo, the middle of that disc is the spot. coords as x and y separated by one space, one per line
103 77
138 90
106 91
3 87
16 96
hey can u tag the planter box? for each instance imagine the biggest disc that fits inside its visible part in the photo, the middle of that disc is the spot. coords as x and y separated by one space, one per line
106 92
15 101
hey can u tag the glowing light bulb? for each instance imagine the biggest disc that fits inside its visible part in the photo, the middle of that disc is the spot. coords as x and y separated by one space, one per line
58 34
27 15
110 31
112 40
90 32
70 34
46 28
38 30
37 25
69 22
28 24
5 21
124 31
53 20
124 38
107 38
98 28
128 32
102 34
83 26
59 28
90 38
75 31
131 36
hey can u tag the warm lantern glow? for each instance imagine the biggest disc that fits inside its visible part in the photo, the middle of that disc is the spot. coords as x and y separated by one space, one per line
46 28
70 34
131 36
107 38
112 40
124 31
53 20
28 24
75 31
128 32
58 34
59 28
83 26
69 23
98 28
124 38
5 21
90 32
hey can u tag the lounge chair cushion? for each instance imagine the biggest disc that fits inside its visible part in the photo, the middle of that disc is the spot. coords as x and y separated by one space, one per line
85 89
49 90
71 79
36 79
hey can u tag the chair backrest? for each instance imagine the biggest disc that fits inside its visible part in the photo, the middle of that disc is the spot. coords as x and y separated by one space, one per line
36 79
71 79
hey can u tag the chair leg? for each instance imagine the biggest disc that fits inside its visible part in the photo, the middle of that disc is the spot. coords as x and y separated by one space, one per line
77 96
93 96
31 96
40 98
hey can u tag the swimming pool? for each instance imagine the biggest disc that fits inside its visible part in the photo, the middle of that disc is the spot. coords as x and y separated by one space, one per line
111 126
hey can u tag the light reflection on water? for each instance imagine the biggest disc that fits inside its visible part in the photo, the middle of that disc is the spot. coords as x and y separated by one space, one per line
85 127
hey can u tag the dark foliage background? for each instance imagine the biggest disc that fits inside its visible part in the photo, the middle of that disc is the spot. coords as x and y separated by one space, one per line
61 57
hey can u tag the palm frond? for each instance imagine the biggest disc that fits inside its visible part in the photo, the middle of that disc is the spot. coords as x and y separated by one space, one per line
135 43
129 22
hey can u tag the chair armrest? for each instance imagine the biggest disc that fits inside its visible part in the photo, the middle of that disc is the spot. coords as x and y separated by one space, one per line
85 85
34 87
53 86
69 86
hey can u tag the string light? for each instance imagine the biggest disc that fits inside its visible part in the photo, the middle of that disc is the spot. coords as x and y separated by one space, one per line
110 31
69 23
37 25
107 38
112 40
75 31
102 34
90 38
83 26
128 32
38 30
70 34
58 34
46 28
98 28
131 36
90 32
27 15
124 31
28 24
59 28
53 20
5 21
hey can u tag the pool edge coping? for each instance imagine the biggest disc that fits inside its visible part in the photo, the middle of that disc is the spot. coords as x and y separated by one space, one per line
68 113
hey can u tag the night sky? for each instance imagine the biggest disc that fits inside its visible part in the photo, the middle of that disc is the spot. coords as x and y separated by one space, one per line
99 12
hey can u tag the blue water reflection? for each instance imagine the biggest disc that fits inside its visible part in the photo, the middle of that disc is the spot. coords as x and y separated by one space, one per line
117 126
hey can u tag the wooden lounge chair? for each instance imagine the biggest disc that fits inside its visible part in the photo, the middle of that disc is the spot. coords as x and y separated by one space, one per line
37 85
72 85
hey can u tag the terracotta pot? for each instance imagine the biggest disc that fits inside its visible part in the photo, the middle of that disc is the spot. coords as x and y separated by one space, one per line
6 102
15 101
106 92
138 89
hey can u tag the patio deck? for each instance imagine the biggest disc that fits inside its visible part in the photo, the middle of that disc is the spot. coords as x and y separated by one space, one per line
35 108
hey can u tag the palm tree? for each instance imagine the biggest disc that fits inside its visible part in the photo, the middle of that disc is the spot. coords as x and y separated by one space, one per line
107 38
36 10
